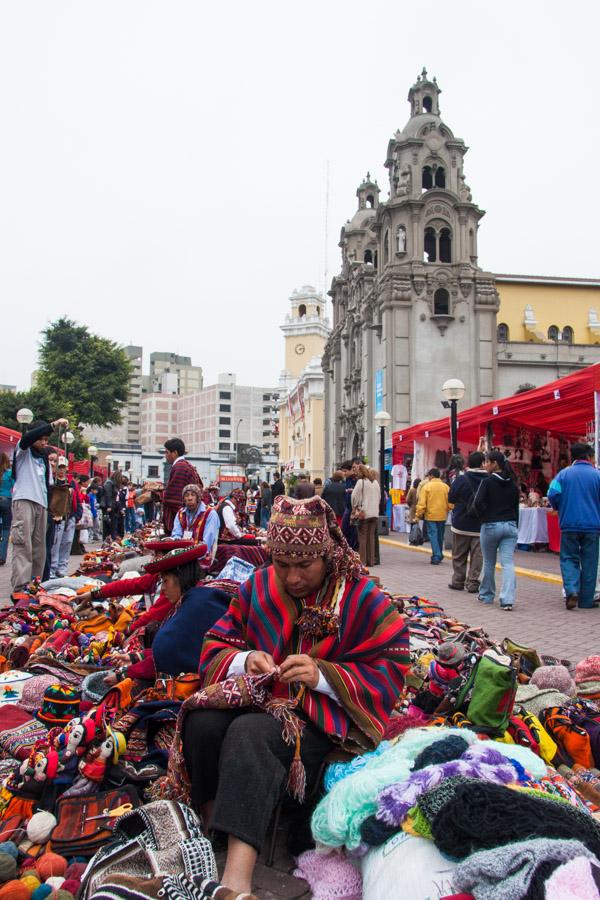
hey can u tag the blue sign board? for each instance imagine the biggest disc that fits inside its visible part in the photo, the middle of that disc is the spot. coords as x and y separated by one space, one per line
378 390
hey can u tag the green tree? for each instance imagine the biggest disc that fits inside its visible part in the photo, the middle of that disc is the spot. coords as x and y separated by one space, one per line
85 373
43 406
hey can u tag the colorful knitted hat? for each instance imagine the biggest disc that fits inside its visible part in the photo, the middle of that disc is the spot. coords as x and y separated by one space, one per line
307 529
588 669
557 678
167 544
59 705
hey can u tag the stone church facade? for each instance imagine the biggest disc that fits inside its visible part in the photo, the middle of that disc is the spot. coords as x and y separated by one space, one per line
411 305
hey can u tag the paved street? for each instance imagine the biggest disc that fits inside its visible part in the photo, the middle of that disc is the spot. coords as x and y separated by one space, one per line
539 618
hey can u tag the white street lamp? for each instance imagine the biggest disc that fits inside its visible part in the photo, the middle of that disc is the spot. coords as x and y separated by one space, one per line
453 391
24 416
68 437
382 418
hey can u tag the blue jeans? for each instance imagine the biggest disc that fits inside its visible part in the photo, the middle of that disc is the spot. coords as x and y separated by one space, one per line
130 519
436 530
579 564
5 522
61 547
265 515
498 536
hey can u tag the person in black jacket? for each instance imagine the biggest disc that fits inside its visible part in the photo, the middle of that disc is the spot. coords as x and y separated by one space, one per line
497 506
334 493
278 487
466 546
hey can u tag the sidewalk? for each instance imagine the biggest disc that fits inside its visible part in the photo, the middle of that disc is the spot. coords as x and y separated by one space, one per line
539 618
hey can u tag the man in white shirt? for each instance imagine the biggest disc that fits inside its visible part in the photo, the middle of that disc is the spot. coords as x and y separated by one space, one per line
30 503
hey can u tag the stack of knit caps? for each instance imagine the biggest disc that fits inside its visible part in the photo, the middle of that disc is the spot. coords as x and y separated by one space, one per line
587 678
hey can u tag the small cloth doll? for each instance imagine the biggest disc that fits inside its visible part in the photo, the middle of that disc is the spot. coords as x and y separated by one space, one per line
445 668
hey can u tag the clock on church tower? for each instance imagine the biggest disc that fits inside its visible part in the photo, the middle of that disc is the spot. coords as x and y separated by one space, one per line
305 329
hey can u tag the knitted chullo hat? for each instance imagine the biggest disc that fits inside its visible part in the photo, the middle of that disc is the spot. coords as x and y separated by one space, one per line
307 529
59 706
192 489
556 678
588 669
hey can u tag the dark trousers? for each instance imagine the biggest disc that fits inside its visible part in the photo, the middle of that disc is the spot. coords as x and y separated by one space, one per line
349 530
50 531
240 760
367 530
466 548
579 565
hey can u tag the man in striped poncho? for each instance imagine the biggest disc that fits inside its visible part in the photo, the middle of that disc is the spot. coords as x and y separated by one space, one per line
329 639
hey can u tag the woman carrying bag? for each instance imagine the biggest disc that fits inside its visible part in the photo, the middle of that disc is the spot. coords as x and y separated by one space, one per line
366 497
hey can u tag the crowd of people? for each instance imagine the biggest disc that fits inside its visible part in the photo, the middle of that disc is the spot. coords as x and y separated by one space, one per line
483 500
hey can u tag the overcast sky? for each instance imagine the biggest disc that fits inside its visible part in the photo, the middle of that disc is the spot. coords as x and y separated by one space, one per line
163 164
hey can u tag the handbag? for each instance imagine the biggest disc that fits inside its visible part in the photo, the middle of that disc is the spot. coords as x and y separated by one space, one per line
77 833
358 514
415 537
179 687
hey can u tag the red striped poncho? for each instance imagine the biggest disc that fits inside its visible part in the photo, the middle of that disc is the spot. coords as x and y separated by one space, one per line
365 664
182 473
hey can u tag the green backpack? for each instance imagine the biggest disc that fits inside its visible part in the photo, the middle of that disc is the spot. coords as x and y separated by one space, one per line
488 695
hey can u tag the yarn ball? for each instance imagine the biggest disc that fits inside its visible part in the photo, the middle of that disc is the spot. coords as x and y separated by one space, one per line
56 882
556 678
75 870
451 747
63 895
40 827
8 867
14 890
30 882
51 864
9 847
41 892
71 885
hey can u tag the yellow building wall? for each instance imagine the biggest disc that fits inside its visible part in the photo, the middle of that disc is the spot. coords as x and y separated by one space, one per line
553 304
308 453
295 363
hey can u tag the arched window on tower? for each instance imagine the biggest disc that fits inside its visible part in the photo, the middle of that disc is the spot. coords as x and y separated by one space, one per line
370 201
430 245
440 177
553 333
318 310
368 256
427 178
386 247
445 245
471 243
568 334
427 104
441 302
503 333
376 258
302 310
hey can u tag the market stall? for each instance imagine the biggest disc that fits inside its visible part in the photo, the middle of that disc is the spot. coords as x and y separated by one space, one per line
534 430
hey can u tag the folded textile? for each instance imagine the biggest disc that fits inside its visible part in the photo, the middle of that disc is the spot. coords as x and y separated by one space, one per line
578 879
479 761
505 873
482 816
536 699
329 876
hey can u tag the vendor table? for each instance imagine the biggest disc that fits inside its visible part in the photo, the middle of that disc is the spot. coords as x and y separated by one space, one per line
533 525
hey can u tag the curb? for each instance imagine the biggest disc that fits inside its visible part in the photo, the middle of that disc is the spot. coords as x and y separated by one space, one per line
534 574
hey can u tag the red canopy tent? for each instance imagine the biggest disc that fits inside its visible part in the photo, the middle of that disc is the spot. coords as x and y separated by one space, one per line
565 407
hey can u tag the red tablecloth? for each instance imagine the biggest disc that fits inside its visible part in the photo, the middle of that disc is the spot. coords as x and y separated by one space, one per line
553 531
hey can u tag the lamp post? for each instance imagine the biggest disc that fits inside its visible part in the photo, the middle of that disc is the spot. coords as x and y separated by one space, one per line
237 446
108 459
453 391
382 418
24 417
92 453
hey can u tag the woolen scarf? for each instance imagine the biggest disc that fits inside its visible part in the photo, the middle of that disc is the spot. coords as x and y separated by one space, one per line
506 873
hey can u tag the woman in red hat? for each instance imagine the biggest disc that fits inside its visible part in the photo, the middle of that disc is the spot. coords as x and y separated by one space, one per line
193 610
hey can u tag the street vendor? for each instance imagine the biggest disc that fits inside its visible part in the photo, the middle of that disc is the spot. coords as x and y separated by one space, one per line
195 521
331 641
193 609
229 511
